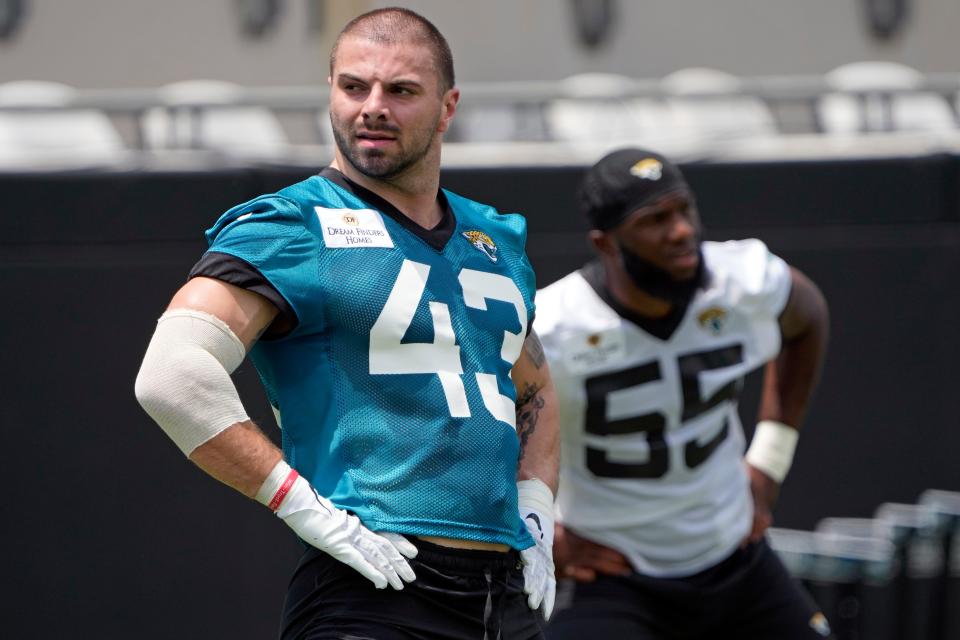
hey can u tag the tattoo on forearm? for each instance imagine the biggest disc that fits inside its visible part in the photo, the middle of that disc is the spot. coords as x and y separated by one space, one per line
534 349
529 404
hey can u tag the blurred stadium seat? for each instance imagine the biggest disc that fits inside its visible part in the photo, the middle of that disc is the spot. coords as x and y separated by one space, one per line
881 96
498 123
38 127
208 114
704 105
323 127
601 108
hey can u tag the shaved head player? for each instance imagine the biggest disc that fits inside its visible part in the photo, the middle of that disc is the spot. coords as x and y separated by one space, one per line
389 320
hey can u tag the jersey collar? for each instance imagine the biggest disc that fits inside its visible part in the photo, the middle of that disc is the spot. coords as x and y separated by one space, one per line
662 328
437 237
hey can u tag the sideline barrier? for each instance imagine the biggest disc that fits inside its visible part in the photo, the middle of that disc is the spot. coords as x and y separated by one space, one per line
88 260
846 573
889 577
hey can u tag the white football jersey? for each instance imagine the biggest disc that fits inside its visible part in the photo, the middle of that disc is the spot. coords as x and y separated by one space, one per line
652 445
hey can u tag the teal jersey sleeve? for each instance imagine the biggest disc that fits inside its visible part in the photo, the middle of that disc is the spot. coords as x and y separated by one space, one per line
526 272
272 234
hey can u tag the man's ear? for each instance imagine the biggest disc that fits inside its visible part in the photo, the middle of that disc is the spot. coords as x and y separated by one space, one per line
450 100
602 242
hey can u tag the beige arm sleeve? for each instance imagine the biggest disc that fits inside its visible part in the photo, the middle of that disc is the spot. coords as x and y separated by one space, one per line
184 381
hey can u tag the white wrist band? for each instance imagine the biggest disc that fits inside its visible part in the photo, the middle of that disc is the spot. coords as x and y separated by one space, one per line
771 450
535 494
271 492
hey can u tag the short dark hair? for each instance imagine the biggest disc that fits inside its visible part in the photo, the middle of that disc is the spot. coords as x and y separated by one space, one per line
397 24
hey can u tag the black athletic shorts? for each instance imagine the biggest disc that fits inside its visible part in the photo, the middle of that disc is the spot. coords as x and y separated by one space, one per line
457 594
748 596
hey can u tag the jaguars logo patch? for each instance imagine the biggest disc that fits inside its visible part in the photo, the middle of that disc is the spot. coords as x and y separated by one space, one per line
647 169
713 319
818 622
482 242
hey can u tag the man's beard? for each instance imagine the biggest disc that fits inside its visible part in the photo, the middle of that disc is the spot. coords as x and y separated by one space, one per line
374 163
658 282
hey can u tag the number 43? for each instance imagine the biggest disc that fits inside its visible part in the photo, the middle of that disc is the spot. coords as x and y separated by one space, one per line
388 355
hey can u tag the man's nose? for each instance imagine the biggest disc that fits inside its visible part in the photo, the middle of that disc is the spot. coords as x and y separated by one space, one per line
682 228
375 107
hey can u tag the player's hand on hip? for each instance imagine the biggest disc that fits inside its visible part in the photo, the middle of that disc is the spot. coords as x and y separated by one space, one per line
764 490
536 509
768 461
381 558
583 559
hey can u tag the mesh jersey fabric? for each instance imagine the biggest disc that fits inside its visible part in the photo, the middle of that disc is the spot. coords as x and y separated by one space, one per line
393 390
651 441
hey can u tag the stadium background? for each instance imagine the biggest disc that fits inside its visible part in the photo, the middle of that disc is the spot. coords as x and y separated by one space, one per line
109 533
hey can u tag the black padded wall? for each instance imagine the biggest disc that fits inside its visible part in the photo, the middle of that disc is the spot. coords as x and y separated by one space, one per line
110 533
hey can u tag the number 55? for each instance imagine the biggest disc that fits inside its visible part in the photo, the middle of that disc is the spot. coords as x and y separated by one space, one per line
654 424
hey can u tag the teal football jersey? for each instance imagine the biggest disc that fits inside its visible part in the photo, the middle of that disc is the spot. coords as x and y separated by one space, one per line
393 390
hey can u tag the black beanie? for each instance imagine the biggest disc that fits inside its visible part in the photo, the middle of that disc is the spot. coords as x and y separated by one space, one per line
622 182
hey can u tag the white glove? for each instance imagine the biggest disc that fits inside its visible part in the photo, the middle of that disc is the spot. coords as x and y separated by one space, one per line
378 557
536 509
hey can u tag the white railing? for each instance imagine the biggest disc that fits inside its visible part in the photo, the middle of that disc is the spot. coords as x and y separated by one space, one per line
531 130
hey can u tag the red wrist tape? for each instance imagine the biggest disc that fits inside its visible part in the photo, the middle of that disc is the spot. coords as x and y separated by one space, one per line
283 490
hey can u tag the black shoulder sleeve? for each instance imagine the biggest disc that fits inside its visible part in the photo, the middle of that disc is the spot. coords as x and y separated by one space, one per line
240 273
